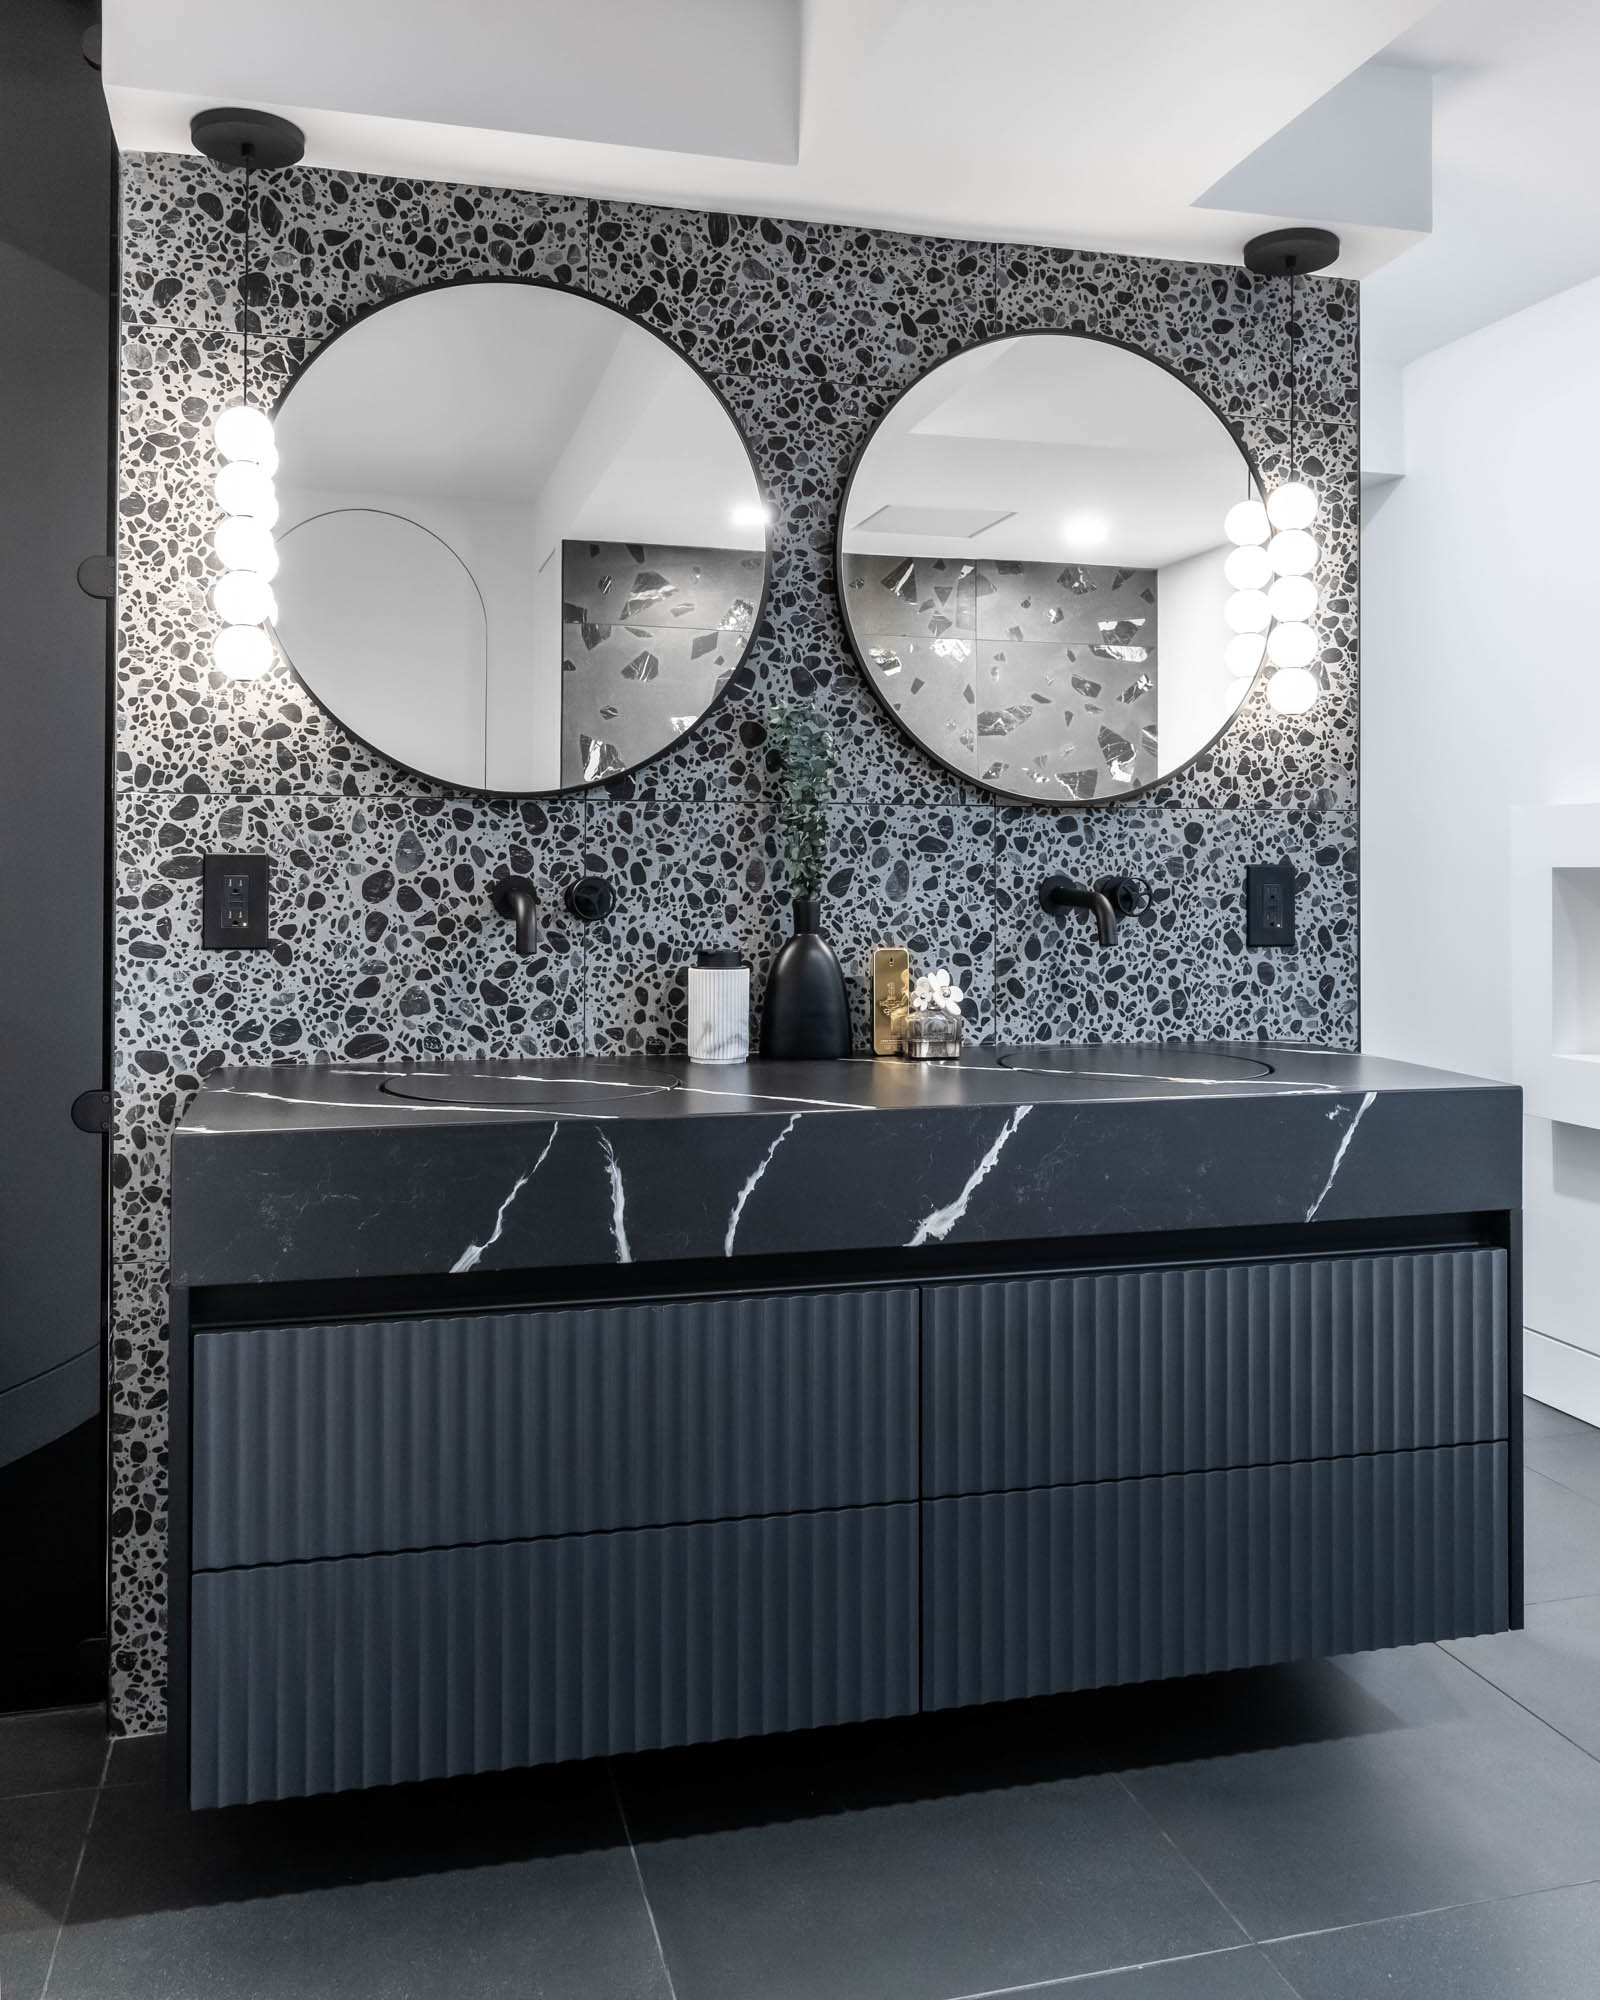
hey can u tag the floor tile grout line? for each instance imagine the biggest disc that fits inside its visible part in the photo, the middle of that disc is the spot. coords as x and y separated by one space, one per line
72 1890
644 1893
1593 1757
1193 1869
48 1792
1433 1910
1112 1971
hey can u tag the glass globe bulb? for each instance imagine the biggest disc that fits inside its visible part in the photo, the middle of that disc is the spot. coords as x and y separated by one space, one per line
1247 568
1246 524
1242 654
1293 690
241 652
1291 645
1246 611
1293 599
1293 505
243 433
1293 552
246 490
243 544
244 597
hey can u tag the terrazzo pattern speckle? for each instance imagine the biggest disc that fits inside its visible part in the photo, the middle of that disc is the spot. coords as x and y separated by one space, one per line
385 945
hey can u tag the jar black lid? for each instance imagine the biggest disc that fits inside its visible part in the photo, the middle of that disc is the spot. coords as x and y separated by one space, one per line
718 961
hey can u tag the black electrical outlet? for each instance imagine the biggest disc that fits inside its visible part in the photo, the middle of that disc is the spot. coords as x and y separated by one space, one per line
234 903
1269 904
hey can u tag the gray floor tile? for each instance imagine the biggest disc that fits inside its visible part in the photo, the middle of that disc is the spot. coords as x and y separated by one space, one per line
41 1837
1244 1974
480 1889
1539 1420
1573 1462
1562 1541
1542 1947
1552 1667
54 1749
1424 1787
893 1866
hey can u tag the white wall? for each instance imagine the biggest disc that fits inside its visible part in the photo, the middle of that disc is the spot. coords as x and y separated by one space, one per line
1480 691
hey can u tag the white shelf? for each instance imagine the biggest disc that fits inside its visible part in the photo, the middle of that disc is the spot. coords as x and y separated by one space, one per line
1555 969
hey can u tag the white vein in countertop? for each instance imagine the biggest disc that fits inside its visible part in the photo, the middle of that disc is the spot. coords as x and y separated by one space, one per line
937 1226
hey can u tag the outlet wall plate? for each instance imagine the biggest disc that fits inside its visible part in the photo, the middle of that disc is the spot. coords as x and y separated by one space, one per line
1269 905
233 909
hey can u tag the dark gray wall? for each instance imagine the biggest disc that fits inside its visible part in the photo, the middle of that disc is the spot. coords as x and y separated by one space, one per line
385 944
55 344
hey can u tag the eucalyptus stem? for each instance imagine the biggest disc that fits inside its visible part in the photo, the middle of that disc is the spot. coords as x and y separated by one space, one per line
806 766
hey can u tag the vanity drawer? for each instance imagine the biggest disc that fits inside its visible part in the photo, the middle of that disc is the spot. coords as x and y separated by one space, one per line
325 1676
1139 1579
337 1440
1046 1381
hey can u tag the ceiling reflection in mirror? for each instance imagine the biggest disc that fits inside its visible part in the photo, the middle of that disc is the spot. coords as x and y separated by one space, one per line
1031 564
522 543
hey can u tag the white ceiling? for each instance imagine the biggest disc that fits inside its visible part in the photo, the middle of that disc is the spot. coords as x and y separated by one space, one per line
1516 165
1098 124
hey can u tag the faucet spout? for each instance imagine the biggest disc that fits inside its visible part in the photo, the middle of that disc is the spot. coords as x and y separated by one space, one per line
514 898
1058 895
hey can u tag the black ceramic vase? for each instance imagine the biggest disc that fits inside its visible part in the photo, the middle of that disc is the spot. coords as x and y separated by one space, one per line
805 1016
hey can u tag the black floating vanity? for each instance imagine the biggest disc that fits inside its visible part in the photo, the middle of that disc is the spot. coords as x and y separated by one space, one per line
536 1412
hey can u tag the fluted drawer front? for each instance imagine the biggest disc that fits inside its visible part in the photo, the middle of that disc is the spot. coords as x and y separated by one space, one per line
1138 1579
338 1440
1045 1381
318 1677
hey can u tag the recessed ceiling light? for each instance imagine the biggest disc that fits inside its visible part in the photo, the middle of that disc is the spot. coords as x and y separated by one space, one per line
751 514
1085 531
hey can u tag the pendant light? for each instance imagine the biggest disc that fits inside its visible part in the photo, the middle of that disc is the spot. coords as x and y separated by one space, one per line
1275 551
242 597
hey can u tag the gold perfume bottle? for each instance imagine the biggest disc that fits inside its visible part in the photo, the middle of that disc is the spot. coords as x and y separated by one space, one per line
891 992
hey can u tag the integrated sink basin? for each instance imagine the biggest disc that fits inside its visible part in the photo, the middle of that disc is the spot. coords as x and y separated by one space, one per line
1160 1062
565 1086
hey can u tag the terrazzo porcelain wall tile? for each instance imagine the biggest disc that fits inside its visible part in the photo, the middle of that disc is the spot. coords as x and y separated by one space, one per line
687 878
385 943
1180 968
314 235
919 878
425 230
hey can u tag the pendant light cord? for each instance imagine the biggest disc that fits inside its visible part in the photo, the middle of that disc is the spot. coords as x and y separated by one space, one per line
1294 374
244 282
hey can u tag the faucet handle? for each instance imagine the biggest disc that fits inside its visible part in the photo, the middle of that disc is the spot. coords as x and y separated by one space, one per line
1128 895
590 900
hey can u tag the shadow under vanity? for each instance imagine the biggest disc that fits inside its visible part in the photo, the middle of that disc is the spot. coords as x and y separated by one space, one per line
524 1413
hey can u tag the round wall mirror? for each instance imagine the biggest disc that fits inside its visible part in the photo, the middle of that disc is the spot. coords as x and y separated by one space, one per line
522 543
1030 562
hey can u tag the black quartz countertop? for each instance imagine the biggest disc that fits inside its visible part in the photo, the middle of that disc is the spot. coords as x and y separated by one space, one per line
343 1097
296 1173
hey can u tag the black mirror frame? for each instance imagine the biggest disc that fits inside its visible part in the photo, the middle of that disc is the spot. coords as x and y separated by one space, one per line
461 283
1252 470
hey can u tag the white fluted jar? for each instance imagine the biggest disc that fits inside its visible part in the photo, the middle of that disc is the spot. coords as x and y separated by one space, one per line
719 1008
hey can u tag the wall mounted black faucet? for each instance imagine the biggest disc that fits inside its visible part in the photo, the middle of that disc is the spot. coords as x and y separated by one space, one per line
1058 895
513 896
